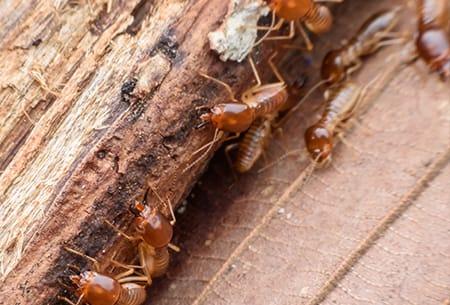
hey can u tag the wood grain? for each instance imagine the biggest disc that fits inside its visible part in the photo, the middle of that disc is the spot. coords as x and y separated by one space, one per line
98 99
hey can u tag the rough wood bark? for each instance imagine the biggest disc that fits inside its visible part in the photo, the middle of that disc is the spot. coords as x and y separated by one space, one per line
96 101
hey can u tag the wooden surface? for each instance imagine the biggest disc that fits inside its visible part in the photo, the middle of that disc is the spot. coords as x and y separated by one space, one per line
96 101
78 145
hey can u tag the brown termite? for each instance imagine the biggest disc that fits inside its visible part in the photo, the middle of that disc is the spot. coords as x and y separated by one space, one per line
432 42
252 145
317 18
155 232
372 35
337 65
96 288
341 103
257 101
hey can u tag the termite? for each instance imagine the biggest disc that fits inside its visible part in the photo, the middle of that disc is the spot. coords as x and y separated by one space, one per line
432 42
338 64
155 232
236 117
341 103
257 101
96 288
317 18
252 145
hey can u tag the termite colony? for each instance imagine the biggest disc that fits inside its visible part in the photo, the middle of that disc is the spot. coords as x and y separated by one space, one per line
153 236
258 111
253 117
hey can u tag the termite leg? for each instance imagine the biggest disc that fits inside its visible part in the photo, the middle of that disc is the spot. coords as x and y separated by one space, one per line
174 247
390 42
285 37
229 148
255 73
68 301
124 274
274 68
60 282
225 85
95 262
129 279
355 67
273 27
131 270
126 266
332 1
309 44
235 136
130 238
76 268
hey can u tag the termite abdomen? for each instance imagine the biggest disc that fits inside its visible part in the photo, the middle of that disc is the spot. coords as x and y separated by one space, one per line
132 294
162 259
319 19
268 101
252 145
432 14
433 46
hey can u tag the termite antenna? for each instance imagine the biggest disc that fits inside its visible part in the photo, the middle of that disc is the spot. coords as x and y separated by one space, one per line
120 232
222 83
311 168
168 203
73 268
218 134
174 219
205 122
302 100
144 201
69 301
156 193
69 288
89 258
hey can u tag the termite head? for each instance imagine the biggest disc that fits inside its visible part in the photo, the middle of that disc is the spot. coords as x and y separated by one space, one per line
434 48
153 226
333 68
231 117
319 143
96 288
